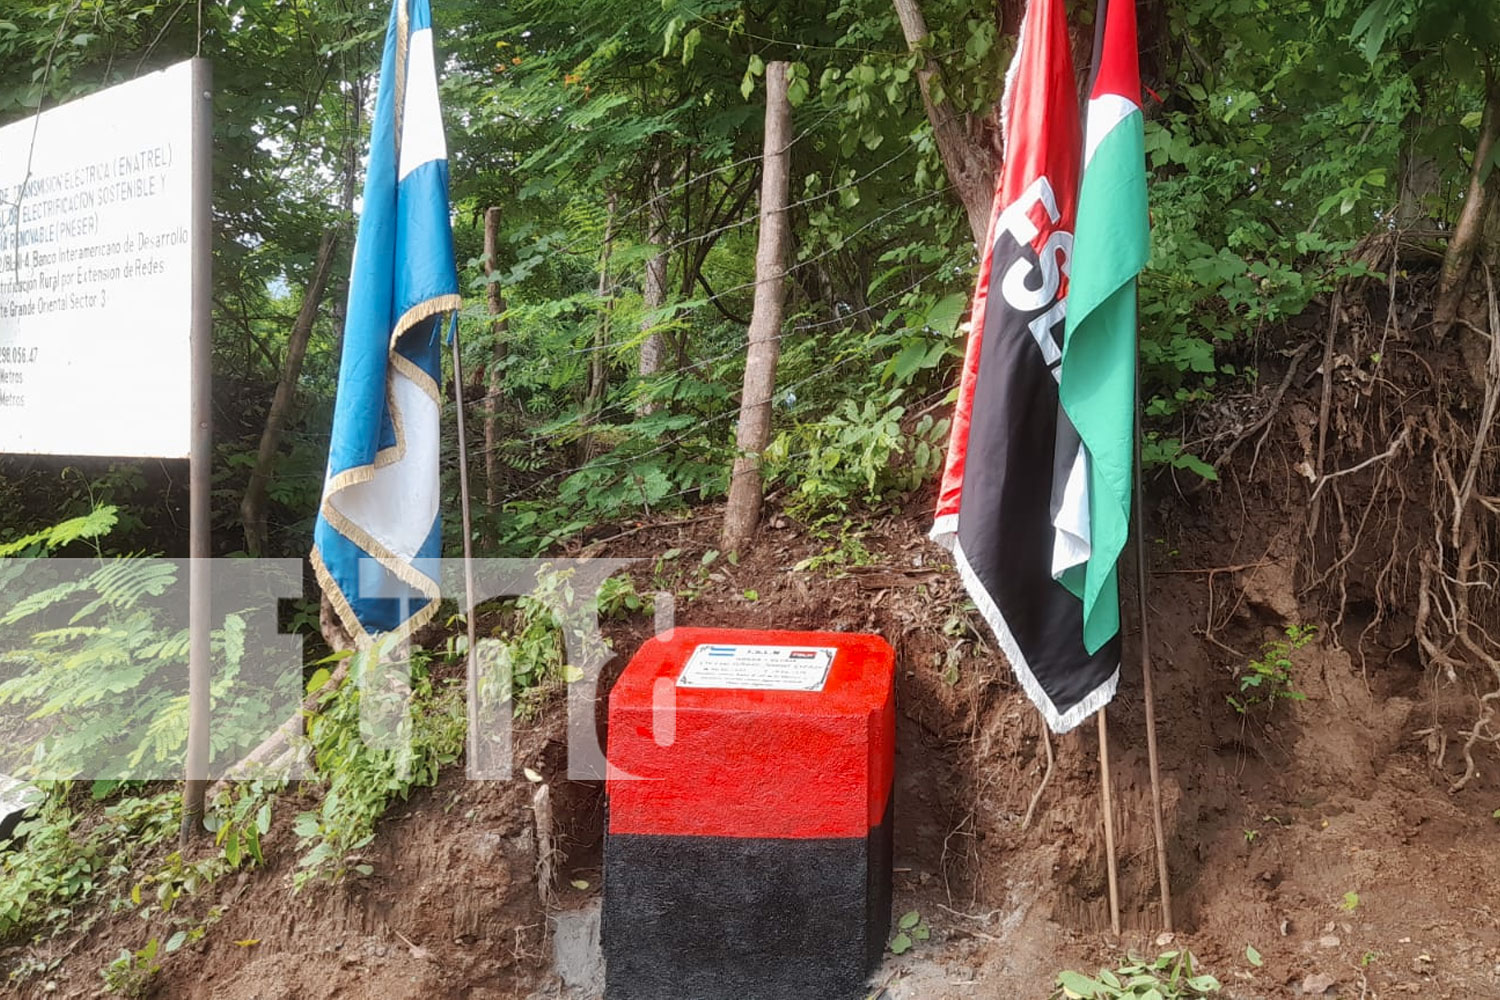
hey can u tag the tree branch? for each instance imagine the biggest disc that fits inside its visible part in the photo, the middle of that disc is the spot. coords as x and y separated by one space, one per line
970 164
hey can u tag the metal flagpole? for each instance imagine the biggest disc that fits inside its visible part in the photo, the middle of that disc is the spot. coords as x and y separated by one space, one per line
1162 875
463 492
1109 825
195 788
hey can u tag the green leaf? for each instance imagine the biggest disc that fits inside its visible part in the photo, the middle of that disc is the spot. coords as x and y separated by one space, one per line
263 818
1078 986
1490 162
1253 957
232 847
910 361
669 36
1371 28
909 920
176 941
1192 463
306 825
944 317
900 944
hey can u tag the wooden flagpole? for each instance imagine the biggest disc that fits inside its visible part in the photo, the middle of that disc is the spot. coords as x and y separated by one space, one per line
1112 863
1163 876
468 528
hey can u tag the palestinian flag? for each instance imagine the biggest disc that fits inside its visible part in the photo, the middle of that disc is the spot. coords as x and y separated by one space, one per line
1111 245
995 506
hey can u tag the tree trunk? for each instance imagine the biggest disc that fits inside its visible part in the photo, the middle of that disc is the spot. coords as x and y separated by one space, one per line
1421 179
598 370
1469 230
253 505
1420 176
742 514
1492 236
968 159
346 202
598 355
499 329
654 347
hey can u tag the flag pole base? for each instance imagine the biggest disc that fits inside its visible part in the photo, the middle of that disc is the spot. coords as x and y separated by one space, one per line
1111 860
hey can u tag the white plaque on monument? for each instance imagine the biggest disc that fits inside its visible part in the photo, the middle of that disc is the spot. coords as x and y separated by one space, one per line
758 668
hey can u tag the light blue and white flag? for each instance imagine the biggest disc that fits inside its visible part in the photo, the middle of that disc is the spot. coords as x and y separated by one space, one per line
378 535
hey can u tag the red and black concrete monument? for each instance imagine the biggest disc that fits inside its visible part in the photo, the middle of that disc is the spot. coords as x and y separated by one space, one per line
748 853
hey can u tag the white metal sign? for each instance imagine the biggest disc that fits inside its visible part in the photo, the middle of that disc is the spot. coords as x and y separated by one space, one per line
762 668
96 252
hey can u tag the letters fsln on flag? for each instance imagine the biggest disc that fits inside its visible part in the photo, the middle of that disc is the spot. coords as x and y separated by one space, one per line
378 533
996 505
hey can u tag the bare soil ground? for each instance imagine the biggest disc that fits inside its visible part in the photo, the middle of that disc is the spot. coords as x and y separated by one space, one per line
1273 819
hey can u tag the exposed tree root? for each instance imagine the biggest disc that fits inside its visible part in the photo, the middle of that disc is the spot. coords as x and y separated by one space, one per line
1400 481
1046 777
1468 231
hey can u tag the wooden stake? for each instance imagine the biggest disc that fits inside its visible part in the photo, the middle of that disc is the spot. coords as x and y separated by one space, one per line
468 527
1109 825
746 492
1163 876
499 329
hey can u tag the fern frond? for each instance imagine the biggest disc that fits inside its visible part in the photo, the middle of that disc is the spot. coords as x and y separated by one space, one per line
122 582
95 524
42 600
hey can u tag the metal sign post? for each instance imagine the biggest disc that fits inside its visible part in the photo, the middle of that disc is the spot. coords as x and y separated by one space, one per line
202 443
106 306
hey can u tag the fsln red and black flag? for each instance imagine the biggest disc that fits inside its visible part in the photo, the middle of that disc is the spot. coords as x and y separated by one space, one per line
995 509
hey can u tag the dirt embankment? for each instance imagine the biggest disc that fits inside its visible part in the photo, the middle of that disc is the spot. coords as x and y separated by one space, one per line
1322 831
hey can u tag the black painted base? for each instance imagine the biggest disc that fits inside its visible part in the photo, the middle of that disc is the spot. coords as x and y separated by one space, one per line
711 918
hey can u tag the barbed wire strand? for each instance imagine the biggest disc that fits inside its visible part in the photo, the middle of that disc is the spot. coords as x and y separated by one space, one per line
736 350
739 223
734 411
674 442
621 221
743 286
739 349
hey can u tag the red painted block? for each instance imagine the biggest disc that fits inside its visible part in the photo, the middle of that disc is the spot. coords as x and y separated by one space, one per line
731 733
748 855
